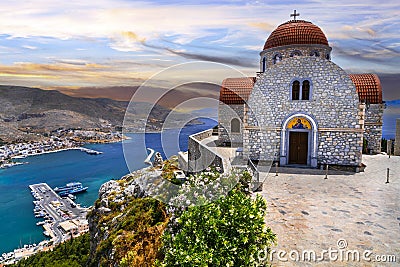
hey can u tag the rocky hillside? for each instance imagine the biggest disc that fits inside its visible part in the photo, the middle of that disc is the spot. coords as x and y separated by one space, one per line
26 110
125 225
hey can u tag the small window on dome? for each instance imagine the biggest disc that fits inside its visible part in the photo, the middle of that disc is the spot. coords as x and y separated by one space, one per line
328 56
263 64
315 53
277 58
296 53
296 90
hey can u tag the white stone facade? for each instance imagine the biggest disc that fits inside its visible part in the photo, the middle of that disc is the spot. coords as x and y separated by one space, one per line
302 109
227 113
332 110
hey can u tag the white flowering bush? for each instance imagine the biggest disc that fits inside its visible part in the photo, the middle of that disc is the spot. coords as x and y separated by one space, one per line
227 232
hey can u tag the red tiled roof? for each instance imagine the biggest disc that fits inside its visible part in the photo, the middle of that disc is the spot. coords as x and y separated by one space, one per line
296 32
236 90
368 87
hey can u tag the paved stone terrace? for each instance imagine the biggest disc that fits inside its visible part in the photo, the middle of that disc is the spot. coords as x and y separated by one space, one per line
308 212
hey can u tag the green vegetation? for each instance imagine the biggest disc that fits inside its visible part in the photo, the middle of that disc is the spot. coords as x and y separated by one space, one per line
228 232
133 237
169 166
69 254
142 231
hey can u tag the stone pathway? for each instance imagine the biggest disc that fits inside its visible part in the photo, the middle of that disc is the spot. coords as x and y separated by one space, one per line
308 212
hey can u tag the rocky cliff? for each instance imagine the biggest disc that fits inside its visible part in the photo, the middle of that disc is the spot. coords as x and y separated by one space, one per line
126 225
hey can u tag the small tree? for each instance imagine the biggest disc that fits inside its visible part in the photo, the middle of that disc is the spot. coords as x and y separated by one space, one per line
228 232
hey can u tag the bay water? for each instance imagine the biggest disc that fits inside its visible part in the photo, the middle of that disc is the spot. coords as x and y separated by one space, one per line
17 220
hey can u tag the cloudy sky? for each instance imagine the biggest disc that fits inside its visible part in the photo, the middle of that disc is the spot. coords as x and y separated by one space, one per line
108 47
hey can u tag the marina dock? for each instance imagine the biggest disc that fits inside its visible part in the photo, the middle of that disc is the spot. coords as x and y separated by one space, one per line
61 218
55 210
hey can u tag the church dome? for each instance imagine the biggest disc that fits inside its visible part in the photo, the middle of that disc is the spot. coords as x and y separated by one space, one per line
296 32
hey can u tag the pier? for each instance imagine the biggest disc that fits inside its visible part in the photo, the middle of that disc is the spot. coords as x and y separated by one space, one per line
56 210
148 159
62 219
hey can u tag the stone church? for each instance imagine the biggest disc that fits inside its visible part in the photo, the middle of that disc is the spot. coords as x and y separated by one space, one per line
301 108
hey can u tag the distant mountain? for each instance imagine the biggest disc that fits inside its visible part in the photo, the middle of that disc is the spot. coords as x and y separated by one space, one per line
24 109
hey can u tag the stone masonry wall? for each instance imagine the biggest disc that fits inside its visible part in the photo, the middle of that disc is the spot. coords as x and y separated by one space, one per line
225 115
285 52
199 156
340 148
263 149
333 105
397 140
373 127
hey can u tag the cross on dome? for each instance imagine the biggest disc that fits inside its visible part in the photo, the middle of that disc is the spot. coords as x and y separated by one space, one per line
295 14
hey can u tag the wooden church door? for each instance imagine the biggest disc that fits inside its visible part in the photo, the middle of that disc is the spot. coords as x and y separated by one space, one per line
298 147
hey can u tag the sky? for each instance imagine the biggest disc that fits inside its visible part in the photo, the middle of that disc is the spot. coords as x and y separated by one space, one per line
110 47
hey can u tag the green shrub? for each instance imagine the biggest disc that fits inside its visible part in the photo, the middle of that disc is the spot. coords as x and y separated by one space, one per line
71 253
228 232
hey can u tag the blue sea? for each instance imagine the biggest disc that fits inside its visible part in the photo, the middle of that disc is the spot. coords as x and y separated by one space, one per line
18 224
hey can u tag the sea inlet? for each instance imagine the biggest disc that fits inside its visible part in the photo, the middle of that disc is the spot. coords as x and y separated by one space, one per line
56 169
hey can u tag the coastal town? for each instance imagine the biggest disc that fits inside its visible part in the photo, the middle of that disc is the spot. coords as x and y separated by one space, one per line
58 141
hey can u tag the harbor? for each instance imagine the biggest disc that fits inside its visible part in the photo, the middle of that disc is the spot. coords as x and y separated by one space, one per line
55 210
60 217
54 169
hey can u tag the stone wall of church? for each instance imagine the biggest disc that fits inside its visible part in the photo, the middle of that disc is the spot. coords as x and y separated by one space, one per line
373 127
397 140
225 115
340 148
263 148
285 52
333 105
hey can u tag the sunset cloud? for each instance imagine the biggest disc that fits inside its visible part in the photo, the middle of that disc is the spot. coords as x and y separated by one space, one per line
113 43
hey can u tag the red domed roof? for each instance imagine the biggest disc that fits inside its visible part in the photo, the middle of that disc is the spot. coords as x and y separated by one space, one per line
296 32
368 87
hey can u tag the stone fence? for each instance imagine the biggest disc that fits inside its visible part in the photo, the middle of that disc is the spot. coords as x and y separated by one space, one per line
200 156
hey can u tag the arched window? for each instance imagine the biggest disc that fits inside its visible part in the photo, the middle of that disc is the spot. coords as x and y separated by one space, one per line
328 56
315 53
296 53
263 64
296 90
301 89
305 90
235 125
277 58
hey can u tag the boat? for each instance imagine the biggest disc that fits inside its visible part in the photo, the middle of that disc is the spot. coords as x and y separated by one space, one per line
40 214
70 189
68 186
73 191
71 196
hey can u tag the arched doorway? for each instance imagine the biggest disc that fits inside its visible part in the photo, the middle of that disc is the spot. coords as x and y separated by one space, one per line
298 141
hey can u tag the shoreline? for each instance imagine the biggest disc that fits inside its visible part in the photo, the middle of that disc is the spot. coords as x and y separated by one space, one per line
83 149
80 148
